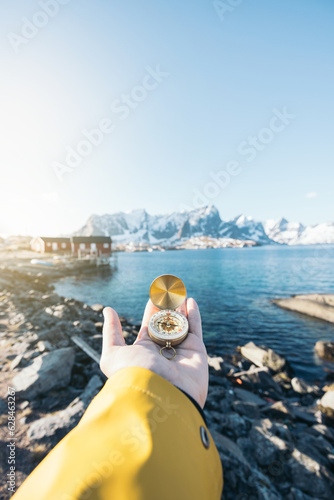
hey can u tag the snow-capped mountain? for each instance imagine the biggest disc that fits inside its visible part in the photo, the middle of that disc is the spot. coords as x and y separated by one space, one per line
245 228
139 227
283 231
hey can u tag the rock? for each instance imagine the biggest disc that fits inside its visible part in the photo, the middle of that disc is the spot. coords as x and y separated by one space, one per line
97 307
263 356
54 334
328 387
227 445
47 371
300 386
63 343
22 347
99 326
283 379
325 350
87 326
29 355
261 381
323 298
16 362
17 319
51 299
280 409
323 430
306 414
309 307
249 410
62 421
326 404
44 345
215 362
319 443
296 494
309 476
268 445
234 425
249 397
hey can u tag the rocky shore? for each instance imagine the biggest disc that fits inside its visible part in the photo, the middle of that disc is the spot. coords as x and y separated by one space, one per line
316 305
274 431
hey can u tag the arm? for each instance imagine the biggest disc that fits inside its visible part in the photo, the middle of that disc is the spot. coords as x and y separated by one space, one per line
141 437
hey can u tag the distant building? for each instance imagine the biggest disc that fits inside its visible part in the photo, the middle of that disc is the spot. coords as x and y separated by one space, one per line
91 245
79 246
43 245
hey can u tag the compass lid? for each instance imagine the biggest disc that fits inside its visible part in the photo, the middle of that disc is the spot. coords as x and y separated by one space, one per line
167 292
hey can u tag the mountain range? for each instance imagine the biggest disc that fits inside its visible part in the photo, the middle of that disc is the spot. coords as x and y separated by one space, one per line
138 227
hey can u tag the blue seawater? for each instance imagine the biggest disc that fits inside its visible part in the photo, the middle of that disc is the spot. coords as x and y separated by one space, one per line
233 288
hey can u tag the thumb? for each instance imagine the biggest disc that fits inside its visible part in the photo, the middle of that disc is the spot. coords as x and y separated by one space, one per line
112 330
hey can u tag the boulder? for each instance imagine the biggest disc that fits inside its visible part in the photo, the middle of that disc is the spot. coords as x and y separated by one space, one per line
16 362
305 414
48 371
97 307
234 425
296 494
326 404
44 345
249 410
215 362
283 379
312 308
63 421
99 326
58 311
227 445
280 409
53 334
309 476
325 350
261 380
263 356
268 442
299 385
323 430
249 397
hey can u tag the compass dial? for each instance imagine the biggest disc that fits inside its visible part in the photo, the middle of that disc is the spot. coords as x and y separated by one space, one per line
168 325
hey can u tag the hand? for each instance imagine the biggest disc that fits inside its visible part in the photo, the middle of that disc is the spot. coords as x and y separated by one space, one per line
188 370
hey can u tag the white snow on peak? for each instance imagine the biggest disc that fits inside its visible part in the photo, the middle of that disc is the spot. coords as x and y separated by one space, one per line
138 226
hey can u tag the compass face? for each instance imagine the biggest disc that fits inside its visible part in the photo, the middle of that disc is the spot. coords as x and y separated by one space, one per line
168 325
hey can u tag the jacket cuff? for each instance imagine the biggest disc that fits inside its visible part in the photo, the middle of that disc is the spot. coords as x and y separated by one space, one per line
195 404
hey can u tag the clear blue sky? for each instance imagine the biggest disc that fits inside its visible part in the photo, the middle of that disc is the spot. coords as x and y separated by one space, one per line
226 75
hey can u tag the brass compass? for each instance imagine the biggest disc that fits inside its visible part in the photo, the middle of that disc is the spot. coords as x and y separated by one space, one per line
168 327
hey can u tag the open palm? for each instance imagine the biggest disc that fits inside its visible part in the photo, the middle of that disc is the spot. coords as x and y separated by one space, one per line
188 370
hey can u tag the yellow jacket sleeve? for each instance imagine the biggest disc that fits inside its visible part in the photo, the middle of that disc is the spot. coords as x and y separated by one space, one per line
140 438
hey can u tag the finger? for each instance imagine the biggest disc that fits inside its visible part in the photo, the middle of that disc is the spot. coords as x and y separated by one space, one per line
183 308
112 330
150 309
194 318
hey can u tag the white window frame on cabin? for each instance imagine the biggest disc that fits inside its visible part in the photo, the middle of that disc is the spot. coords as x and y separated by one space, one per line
82 246
54 245
63 245
93 247
105 245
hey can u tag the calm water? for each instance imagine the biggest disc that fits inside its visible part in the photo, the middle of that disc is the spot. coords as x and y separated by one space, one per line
233 288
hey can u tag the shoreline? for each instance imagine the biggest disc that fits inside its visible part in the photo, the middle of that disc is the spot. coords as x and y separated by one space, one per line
258 412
